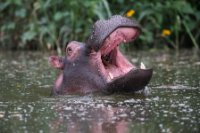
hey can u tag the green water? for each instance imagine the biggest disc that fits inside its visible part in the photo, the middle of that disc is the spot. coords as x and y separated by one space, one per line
173 104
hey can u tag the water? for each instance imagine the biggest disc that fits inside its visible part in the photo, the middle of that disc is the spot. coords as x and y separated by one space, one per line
173 105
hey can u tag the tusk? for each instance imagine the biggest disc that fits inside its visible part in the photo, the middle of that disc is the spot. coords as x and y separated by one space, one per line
142 66
111 76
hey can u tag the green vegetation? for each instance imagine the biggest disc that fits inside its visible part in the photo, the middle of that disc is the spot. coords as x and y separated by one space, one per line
49 24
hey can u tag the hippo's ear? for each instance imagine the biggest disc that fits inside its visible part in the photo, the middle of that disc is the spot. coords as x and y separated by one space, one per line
102 29
56 62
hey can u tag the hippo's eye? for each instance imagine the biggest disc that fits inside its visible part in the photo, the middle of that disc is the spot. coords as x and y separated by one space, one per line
69 50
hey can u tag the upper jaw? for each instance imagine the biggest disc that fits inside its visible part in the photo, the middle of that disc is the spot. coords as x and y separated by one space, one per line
120 35
109 48
102 29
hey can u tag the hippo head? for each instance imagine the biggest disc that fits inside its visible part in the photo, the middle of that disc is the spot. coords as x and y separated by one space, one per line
99 63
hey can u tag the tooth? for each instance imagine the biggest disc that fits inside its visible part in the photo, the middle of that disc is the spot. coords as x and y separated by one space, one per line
111 76
142 66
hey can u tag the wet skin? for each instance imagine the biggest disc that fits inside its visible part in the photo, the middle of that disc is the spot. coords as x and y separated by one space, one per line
98 65
77 75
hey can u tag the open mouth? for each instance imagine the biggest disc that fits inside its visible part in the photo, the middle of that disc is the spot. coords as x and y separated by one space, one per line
105 39
114 62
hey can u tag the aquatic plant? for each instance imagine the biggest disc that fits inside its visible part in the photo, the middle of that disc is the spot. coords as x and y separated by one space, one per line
47 25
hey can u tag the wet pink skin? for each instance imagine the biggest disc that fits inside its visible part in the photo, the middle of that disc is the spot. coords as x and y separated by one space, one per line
73 49
124 34
56 62
58 81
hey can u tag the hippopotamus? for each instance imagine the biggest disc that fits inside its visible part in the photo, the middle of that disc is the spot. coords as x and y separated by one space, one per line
98 65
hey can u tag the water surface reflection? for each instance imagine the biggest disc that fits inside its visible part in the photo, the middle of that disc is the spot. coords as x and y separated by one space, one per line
172 106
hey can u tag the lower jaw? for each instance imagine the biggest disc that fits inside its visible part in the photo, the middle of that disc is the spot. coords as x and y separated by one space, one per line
118 66
117 69
113 72
120 72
